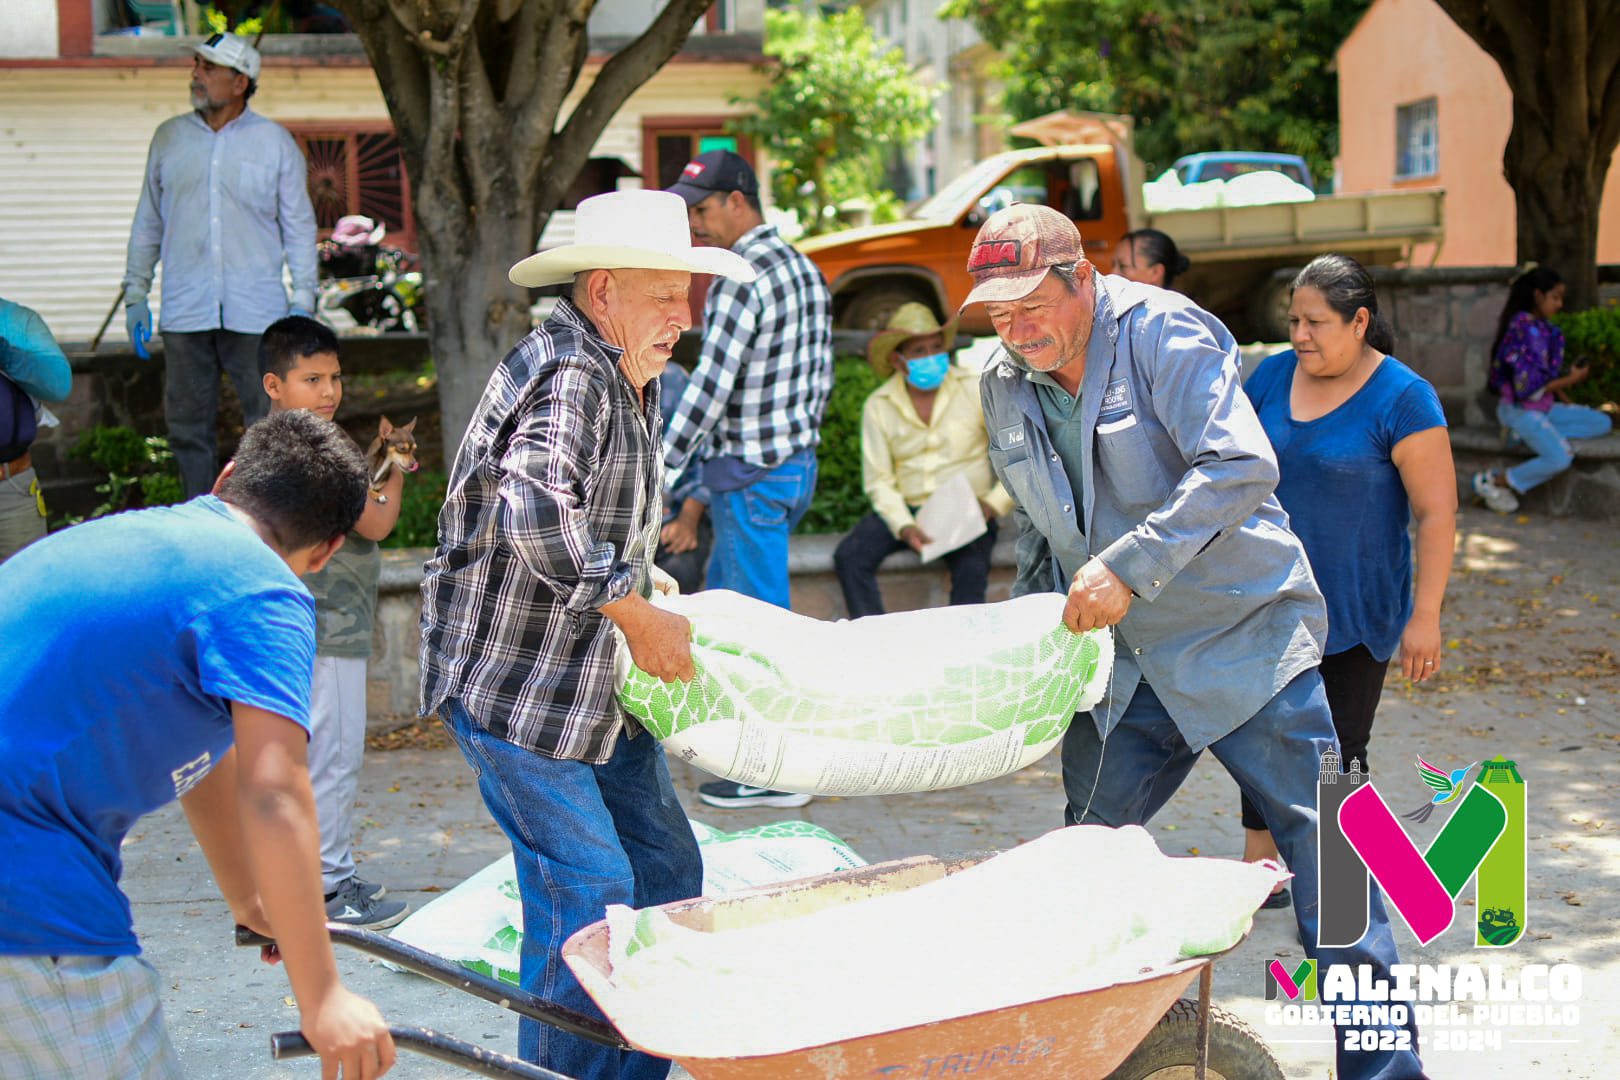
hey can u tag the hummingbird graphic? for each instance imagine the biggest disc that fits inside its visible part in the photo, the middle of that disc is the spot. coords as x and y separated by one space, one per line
1446 788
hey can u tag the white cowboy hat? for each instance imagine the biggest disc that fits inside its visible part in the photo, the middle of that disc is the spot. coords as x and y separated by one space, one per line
630 230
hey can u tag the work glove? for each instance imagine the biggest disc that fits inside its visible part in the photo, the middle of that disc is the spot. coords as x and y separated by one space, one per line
138 321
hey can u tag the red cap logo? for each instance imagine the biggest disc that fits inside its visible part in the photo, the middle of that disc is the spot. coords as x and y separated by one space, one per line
994 253
693 170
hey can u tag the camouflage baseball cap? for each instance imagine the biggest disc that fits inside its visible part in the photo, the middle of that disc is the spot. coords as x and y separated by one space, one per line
1015 248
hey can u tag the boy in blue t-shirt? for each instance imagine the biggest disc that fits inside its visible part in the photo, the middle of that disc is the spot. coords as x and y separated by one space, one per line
298 360
156 655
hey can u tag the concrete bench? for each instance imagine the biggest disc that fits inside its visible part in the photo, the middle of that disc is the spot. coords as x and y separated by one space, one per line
1590 488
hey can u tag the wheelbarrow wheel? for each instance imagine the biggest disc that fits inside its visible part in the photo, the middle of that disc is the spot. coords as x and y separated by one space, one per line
1170 1051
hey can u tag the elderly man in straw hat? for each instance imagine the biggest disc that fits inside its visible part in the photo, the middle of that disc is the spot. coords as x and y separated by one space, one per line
545 548
920 428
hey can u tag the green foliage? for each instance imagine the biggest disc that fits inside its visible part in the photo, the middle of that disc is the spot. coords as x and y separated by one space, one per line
836 102
140 469
1196 74
1594 334
419 506
220 23
840 497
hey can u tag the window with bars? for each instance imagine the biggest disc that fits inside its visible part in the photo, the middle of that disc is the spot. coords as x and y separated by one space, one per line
1417 139
357 169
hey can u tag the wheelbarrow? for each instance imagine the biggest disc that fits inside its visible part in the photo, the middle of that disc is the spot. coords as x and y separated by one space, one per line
1134 1029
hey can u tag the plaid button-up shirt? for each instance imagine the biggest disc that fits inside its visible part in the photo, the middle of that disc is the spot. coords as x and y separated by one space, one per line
765 372
553 510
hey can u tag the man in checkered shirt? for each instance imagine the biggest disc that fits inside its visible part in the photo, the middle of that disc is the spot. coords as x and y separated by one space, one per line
545 549
760 386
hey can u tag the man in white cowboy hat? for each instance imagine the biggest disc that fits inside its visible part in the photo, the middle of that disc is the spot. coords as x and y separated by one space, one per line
546 544
224 205
920 428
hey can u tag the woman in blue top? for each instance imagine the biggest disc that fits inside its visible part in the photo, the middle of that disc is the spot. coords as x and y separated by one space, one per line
1361 448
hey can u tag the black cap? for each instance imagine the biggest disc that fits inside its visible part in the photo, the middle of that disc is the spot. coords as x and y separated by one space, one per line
716 170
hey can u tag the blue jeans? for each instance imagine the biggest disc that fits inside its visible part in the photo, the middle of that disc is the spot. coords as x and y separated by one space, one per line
1274 757
584 836
1548 434
751 527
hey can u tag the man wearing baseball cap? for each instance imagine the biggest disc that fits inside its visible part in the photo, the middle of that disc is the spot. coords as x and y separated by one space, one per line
224 205
755 400
1143 483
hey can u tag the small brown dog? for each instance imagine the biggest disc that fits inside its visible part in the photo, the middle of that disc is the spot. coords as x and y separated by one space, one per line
393 448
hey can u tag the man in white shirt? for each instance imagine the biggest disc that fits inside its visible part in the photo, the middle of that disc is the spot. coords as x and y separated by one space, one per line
224 205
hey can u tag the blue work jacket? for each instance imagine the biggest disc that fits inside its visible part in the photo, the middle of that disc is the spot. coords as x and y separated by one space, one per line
1177 501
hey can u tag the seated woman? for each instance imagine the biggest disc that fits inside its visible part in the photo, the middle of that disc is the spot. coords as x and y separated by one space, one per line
1526 360
922 426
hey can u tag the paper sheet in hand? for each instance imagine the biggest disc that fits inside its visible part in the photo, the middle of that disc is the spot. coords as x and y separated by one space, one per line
950 518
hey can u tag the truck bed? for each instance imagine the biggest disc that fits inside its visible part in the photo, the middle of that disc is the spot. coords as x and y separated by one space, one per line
1348 223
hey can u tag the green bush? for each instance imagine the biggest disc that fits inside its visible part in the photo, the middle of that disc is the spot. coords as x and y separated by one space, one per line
140 469
1594 334
840 499
418 524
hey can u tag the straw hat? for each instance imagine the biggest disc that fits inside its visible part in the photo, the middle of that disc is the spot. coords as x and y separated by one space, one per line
908 321
630 230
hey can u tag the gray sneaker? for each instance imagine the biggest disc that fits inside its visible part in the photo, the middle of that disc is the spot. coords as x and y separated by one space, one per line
352 908
1498 497
369 889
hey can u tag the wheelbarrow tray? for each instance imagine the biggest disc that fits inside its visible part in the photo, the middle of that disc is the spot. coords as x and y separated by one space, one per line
1068 1037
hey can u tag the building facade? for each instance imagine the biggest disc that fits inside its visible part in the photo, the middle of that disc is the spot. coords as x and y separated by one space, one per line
1437 116
949 56
80 97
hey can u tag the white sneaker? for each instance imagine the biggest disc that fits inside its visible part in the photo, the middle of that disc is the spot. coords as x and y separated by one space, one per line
1498 497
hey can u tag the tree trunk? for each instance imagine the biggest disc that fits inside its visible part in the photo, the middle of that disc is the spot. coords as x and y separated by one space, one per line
475 89
1557 190
1563 67
475 315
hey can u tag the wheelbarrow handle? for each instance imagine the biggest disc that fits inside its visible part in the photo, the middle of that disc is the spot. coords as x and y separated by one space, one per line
454 975
429 1043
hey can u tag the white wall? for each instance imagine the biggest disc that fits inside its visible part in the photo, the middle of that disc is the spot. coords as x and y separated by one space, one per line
72 154
28 28
73 144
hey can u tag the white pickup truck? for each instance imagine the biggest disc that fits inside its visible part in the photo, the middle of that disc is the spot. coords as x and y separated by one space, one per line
1092 175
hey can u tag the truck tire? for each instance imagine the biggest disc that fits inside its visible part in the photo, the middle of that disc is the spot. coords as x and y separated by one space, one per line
1268 309
1170 1051
872 306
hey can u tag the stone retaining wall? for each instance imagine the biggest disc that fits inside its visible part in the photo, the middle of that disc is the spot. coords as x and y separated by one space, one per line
1445 320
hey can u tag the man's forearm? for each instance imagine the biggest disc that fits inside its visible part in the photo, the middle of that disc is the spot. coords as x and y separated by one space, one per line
212 811
281 841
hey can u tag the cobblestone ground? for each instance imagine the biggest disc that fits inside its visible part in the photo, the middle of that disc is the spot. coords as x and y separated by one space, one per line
1531 672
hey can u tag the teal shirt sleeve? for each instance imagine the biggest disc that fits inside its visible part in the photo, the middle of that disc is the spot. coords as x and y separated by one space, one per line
30 356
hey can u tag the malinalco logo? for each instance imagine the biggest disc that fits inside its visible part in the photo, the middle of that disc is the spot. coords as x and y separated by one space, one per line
1484 839
1296 985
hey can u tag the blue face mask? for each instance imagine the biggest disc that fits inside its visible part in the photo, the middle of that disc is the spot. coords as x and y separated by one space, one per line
927 372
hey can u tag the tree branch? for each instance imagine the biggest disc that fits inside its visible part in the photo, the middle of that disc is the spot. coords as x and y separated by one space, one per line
527 57
624 72
479 114
401 74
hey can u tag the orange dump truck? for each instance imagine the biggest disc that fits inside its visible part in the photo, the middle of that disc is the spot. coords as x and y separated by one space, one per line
1090 172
